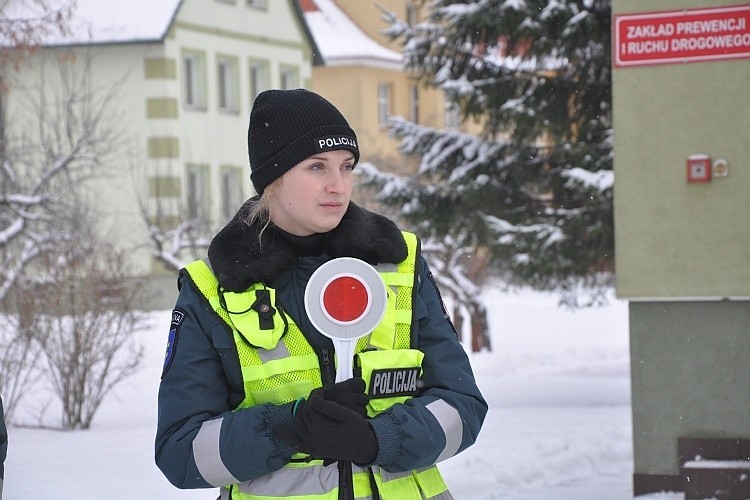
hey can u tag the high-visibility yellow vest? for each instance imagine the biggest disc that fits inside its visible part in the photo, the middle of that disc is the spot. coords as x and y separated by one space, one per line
279 366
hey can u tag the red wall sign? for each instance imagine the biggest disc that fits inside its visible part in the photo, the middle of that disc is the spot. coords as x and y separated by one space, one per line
681 36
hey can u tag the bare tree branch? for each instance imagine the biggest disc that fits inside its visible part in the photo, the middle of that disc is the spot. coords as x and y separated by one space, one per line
85 327
24 25
75 141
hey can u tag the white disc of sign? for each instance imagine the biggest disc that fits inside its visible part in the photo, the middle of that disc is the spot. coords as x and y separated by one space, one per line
345 299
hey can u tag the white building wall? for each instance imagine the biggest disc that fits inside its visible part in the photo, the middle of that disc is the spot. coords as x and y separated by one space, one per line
211 136
207 137
117 69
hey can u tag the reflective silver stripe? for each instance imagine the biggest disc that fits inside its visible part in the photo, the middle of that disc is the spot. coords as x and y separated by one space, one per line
291 481
224 494
207 455
386 267
390 476
450 421
278 352
446 495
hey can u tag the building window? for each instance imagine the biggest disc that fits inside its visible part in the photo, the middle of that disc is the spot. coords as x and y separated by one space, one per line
452 115
231 191
259 77
414 104
384 103
197 193
194 79
289 78
228 84
258 4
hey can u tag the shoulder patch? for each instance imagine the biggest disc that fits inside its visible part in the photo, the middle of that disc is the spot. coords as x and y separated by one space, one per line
390 382
178 315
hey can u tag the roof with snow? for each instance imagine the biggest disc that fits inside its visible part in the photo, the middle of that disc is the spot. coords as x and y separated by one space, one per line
341 42
101 21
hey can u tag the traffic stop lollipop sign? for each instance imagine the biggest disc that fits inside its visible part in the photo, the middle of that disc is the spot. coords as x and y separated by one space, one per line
345 299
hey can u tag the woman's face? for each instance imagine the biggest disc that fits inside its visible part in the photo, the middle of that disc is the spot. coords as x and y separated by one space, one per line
313 196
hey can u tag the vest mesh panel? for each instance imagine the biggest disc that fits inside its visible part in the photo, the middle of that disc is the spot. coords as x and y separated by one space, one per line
297 346
248 355
404 298
404 295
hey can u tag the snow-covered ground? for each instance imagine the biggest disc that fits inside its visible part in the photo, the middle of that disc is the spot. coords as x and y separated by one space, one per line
559 426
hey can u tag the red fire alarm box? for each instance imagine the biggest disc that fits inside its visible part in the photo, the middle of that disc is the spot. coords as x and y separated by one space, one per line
699 168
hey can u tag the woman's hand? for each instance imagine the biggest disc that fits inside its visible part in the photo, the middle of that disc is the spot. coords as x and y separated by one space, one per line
349 393
326 429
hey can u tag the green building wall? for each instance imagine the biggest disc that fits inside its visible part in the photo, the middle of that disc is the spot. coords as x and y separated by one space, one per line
689 377
674 238
683 249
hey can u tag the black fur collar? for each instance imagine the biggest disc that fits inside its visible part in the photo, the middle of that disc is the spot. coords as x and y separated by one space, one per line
239 259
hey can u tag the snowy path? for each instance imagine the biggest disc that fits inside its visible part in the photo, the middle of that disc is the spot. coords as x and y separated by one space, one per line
558 428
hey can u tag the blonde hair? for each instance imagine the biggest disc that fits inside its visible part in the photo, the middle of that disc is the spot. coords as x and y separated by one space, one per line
260 212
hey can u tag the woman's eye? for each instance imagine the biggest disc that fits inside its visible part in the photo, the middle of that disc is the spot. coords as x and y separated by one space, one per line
347 168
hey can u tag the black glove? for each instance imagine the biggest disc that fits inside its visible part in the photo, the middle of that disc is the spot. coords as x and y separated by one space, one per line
324 429
349 393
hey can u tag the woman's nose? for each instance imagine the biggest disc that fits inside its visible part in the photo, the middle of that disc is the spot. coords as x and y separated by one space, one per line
335 181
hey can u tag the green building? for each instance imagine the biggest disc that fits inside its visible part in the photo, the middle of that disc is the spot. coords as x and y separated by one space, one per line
681 100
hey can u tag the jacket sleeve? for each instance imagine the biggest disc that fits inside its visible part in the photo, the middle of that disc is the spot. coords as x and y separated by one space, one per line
447 416
200 441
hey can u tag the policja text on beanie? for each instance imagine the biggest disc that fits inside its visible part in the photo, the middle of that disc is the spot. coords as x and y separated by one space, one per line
288 126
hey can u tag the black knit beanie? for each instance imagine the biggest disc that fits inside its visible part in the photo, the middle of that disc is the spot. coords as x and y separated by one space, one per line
288 126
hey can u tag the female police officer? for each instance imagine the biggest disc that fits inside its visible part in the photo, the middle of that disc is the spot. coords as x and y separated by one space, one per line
247 400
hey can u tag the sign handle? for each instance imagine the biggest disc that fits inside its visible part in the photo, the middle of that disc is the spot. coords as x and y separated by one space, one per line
345 357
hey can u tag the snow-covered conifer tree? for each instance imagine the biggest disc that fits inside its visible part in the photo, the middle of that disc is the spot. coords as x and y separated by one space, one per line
533 183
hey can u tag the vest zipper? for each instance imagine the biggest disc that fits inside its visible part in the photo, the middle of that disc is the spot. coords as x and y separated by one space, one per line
346 481
327 369
375 493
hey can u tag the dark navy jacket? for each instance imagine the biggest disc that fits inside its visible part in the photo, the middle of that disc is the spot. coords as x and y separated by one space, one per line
3 445
202 378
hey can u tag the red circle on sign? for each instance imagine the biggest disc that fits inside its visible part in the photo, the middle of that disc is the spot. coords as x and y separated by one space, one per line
345 298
